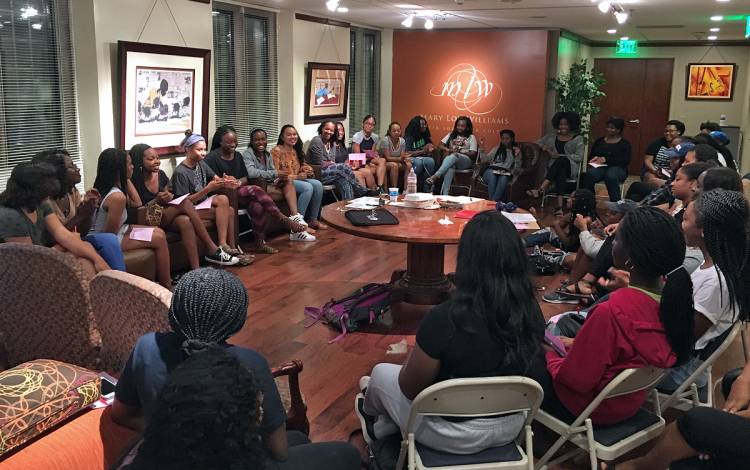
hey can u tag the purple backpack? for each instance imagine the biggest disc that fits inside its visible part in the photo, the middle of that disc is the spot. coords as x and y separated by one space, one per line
346 315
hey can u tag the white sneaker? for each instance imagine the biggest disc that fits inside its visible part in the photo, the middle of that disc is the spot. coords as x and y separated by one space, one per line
222 258
299 218
302 237
364 381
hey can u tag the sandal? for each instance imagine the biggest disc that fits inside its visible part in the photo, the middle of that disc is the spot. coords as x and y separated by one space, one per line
265 249
245 260
232 251
576 288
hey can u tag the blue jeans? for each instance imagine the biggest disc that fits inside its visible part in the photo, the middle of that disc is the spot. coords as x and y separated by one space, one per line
309 197
676 376
451 163
613 176
342 175
108 247
496 184
423 167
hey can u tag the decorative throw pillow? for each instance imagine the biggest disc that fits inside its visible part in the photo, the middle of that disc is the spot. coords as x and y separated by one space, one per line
37 395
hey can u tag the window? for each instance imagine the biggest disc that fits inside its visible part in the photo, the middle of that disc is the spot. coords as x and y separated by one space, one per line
245 70
364 80
38 108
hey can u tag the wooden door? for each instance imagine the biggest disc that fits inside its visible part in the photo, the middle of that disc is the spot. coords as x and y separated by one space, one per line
639 91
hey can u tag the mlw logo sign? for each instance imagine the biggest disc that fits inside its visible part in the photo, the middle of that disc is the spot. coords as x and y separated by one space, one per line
469 90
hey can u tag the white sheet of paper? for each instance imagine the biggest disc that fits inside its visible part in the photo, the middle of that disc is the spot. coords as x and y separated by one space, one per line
205 204
519 218
459 199
597 165
179 199
521 226
143 234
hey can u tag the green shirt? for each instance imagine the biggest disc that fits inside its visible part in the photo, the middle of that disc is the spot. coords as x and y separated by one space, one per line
14 223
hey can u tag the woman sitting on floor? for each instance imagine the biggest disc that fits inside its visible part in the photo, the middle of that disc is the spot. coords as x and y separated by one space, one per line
75 211
648 321
208 307
228 163
196 179
289 159
322 151
492 326
153 187
419 145
366 141
461 148
565 148
393 149
113 172
364 174
502 164
27 215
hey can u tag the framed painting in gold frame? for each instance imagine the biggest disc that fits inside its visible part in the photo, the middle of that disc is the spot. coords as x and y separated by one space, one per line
710 81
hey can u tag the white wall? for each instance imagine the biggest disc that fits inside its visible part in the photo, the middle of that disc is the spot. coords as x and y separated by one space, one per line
692 113
97 26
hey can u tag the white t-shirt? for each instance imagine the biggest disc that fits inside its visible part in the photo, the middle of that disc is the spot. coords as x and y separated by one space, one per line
711 299
465 144
359 137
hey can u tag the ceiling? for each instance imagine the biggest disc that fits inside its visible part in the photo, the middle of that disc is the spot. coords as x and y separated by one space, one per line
650 20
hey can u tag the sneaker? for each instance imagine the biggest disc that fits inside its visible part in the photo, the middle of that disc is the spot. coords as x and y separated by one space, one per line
222 258
299 218
560 298
301 237
366 421
364 381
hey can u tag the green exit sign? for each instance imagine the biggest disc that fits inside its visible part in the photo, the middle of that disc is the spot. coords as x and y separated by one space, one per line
626 46
747 27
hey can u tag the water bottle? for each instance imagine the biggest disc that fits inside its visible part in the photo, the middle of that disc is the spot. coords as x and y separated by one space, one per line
723 120
411 182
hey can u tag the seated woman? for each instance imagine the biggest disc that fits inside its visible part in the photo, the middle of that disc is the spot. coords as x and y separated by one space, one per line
27 215
656 162
420 148
153 184
461 146
113 172
642 323
364 174
393 149
565 148
716 222
75 211
322 151
228 163
196 179
608 160
366 141
722 178
208 307
492 326
219 400
563 232
289 160
502 164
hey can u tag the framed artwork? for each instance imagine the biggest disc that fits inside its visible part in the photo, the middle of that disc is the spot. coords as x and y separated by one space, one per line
326 92
710 82
164 91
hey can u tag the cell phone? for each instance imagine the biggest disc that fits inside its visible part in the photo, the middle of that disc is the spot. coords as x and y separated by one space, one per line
555 343
108 385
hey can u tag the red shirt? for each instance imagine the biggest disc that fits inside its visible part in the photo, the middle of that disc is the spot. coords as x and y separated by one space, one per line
621 333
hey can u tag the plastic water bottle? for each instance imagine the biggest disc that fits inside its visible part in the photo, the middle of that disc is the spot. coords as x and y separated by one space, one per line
723 120
411 182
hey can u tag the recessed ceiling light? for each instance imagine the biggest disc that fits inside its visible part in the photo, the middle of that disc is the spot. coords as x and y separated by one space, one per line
342 10
715 30
712 38
332 5
722 1
717 18
625 38
612 31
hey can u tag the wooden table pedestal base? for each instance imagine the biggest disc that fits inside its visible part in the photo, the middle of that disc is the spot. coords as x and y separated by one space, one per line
423 282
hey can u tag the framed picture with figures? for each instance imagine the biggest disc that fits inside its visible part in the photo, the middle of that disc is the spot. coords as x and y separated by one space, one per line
326 92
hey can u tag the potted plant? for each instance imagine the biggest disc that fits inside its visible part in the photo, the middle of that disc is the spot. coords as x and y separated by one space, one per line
576 92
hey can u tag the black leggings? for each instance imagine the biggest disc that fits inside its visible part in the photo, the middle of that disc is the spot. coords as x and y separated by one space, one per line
603 259
559 172
304 455
728 448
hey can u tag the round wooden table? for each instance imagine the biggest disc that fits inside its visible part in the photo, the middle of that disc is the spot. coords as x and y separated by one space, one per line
423 282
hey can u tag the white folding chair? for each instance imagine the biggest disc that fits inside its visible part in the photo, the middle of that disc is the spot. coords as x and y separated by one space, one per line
240 213
474 398
687 395
607 442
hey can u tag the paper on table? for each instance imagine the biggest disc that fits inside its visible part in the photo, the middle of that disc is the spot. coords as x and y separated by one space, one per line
205 204
597 165
521 226
365 202
143 234
445 221
459 199
403 204
519 218
179 199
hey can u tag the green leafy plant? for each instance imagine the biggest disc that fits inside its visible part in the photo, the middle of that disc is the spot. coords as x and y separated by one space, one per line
577 91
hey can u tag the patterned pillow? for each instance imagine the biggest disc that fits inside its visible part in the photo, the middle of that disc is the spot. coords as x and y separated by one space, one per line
37 395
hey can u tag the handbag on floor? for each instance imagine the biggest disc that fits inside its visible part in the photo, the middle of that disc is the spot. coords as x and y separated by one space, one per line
348 314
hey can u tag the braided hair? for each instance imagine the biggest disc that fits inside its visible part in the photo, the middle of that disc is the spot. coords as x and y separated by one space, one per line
219 134
725 219
208 416
208 306
656 247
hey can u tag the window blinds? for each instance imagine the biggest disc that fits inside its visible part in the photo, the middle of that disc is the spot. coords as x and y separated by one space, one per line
245 71
38 108
364 80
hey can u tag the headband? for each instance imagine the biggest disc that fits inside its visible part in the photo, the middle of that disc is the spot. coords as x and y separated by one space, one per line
192 139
